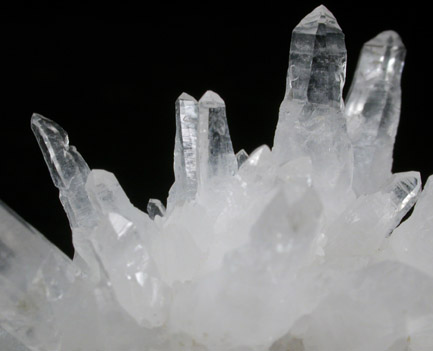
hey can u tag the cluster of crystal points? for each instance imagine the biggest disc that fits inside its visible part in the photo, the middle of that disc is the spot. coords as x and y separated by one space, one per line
299 248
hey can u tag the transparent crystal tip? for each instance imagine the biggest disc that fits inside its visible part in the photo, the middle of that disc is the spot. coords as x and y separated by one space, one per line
320 15
211 99
388 38
185 96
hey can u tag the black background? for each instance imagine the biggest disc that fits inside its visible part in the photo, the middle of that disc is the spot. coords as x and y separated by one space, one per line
112 85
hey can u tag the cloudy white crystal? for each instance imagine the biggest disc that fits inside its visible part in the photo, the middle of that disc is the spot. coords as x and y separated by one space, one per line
277 250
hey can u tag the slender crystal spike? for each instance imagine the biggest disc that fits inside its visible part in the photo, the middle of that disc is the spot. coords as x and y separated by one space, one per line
241 157
155 208
69 172
310 121
215 153
185 152
373 109
67 167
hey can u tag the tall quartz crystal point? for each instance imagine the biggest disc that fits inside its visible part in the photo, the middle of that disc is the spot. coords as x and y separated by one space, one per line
310 120
69 172
215 151
67 167
185 150
373 109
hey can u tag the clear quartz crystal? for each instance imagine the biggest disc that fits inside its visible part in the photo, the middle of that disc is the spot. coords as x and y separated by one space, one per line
412 241
68 169
241 157
311 122
215 152
69 173
121 242
185 151
373 109
155 208
277 250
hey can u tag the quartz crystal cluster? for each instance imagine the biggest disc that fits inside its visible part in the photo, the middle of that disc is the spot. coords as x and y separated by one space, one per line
298 248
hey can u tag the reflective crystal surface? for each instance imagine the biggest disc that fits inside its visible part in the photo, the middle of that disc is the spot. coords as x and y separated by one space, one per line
241 157
373 109
215 153
185 150
155 208
304 247
311 122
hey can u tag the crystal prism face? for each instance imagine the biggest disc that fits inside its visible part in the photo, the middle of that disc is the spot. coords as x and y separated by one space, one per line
298 248
317 61
185 153
373 109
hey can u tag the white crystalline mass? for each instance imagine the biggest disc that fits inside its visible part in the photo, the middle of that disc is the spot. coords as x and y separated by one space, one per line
298 247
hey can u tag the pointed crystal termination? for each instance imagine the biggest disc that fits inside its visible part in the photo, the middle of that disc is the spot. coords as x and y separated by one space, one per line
404 189
373 109
69 172
412 241
121 241
67 167
317 61
155 208
185 151
362 227
241 157
215 152
310 120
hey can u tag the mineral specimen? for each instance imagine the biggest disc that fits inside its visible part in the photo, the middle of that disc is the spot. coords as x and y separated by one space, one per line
296 248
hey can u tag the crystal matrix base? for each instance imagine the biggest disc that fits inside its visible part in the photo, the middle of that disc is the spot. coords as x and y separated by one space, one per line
298 247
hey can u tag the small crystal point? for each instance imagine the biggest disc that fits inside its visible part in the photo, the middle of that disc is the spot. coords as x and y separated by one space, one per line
185 151
215 152
412 240
373 109
404 188
241 157
155 208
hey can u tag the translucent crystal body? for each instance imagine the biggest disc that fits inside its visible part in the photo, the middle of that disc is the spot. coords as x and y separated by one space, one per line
373 109
215 153
311 121
185 150
296 248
